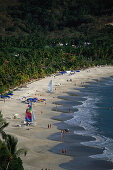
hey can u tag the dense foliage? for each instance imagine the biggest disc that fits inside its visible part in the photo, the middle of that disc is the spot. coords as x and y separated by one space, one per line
9 155
20 17
25 58
32 33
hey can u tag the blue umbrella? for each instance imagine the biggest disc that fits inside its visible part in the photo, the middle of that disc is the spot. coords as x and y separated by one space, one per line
7 96
35 99
63 72
30 99
2 96
10 94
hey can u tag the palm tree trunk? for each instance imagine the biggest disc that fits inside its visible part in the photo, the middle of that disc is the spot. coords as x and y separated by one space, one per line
8 165
10 159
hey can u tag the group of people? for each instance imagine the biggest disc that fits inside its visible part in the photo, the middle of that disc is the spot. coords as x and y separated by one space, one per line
63 131
64 151
69 80
49 126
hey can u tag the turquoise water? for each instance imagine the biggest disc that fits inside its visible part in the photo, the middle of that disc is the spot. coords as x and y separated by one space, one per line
95 114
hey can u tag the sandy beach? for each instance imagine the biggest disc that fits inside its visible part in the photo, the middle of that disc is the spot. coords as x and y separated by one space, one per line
44 144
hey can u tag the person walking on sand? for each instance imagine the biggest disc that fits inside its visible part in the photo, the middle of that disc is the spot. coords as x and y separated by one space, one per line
62 135
70 110
63 151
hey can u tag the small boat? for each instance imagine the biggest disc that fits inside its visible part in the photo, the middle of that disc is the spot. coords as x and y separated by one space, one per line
30 117
50 86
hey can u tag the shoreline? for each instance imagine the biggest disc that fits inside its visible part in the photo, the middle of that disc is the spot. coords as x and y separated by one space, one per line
72 143
36 139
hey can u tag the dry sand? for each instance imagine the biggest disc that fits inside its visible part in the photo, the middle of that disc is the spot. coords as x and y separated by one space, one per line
36 138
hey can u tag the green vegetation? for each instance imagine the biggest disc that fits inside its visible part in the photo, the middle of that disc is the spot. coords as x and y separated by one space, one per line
26 17
31 31
9 155
32 57
31 37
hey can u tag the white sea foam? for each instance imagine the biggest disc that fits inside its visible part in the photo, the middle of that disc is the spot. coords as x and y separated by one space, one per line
85 117
102 142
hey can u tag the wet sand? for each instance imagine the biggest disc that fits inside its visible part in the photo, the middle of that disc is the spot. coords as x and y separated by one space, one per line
44 144
71 143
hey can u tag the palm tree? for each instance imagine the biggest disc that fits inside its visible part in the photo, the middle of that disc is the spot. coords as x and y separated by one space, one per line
3 124
11 143
1 130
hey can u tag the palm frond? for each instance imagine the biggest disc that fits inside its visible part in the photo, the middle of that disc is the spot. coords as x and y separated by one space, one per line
3 126
21 151
4 135
11 143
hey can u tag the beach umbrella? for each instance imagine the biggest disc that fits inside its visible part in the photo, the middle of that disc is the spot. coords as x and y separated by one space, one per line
30 99
42 100
10 94
7 96
63 72
3 97
35 98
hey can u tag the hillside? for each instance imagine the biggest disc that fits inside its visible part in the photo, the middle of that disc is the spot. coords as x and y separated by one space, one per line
38 38
58 18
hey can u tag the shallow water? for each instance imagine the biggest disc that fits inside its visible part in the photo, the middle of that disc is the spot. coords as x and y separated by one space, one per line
95 114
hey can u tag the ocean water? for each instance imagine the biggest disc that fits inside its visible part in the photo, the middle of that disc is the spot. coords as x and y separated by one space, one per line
95 114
